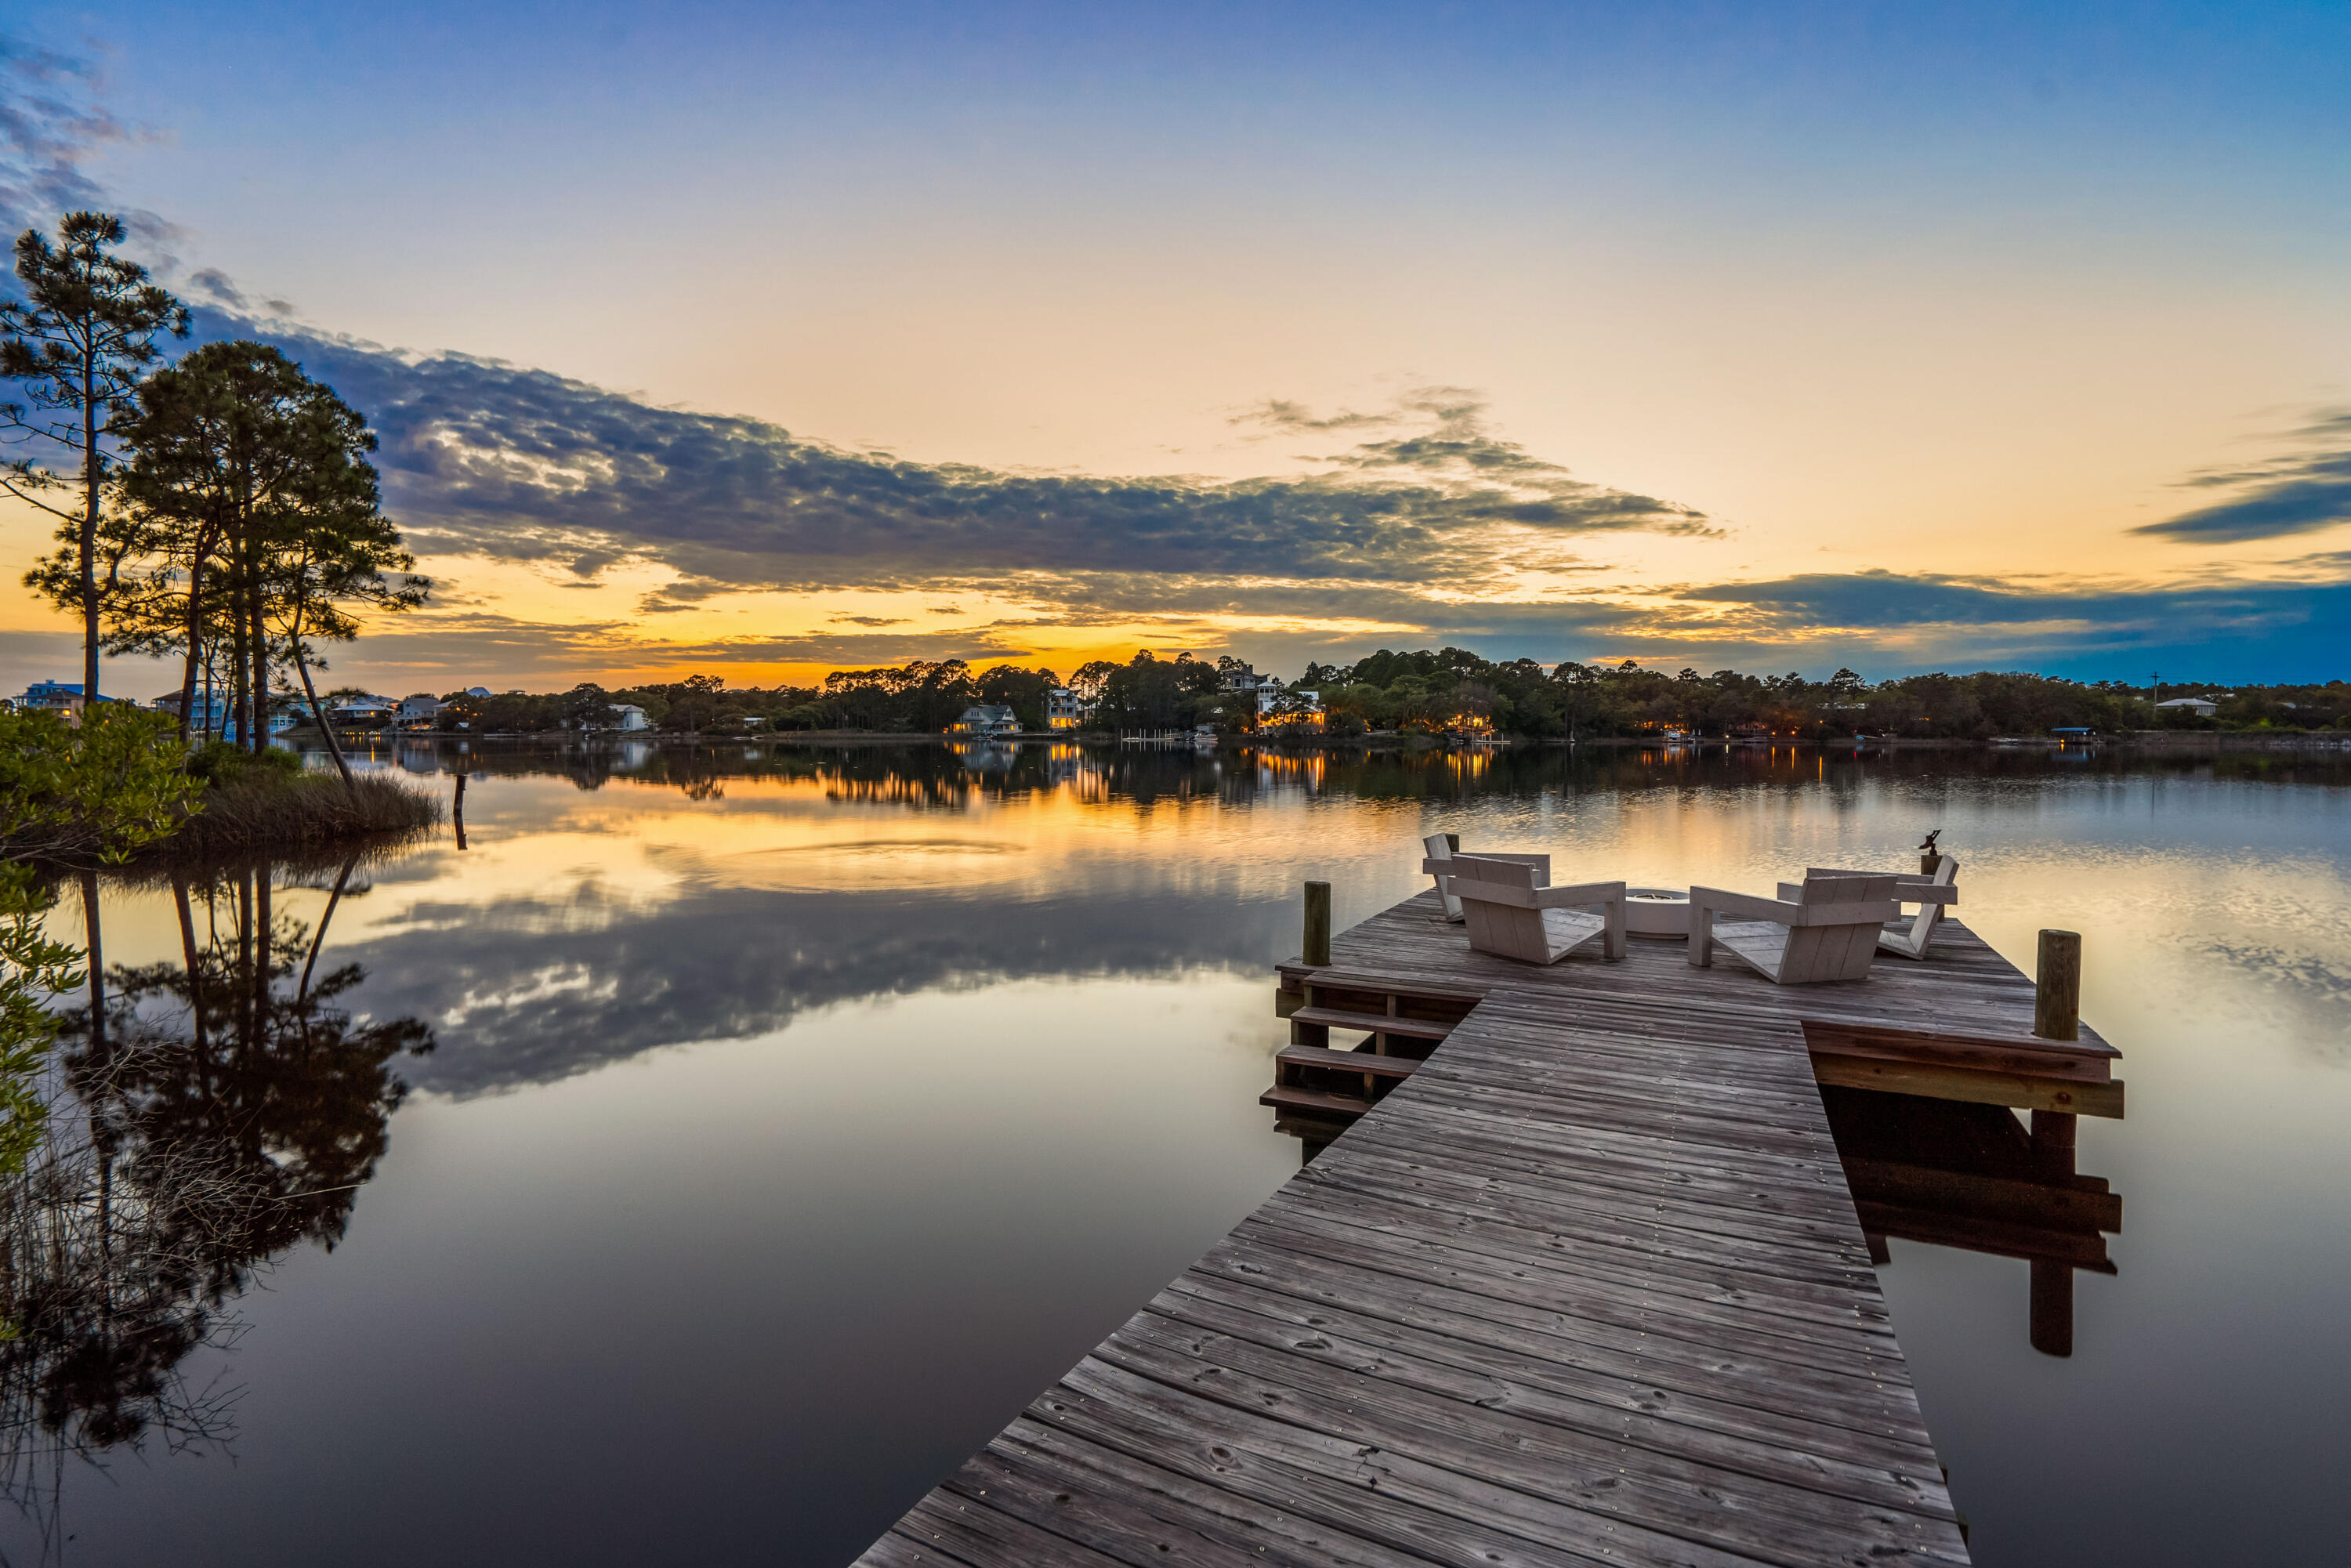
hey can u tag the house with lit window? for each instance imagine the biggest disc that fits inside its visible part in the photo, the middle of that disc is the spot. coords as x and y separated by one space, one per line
1281 708
54 697
364 713
1063 710
987 718
420 711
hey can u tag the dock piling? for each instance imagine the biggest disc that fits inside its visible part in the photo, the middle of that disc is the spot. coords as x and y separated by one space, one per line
1316 950
2052 1306
2057 986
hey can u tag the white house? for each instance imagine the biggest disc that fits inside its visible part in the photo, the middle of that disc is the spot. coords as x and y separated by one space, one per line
2202 707
1272 695
1063 710
364 710
987 719
422 709
1288 709
630 716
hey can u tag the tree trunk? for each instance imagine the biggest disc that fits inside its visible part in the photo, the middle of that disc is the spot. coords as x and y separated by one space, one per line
237 667
89 534
260 667
325 728
195 639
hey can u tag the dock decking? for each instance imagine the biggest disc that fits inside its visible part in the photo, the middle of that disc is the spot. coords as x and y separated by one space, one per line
1586 1286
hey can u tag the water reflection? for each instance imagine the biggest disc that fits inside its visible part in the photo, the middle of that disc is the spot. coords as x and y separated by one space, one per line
206 1115
917 1076
835 873
1956 1174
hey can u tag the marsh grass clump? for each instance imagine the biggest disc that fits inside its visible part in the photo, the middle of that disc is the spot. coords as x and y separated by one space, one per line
272 802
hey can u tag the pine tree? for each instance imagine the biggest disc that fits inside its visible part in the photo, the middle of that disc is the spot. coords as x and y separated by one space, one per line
79 340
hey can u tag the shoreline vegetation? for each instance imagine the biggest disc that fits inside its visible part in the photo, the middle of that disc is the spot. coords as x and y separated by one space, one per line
272 803
2188 741
120 788
1435 695
115 790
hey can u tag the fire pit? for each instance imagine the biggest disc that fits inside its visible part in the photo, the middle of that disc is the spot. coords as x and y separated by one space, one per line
1658 912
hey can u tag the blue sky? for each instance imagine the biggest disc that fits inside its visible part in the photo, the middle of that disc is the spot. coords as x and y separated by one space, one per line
1896 299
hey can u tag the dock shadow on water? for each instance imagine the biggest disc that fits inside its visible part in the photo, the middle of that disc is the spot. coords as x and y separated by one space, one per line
205 1118
1969 1177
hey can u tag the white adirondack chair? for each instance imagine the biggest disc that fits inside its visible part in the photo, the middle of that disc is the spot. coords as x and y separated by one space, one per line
1513 913
1828 931
1439 850
1908 935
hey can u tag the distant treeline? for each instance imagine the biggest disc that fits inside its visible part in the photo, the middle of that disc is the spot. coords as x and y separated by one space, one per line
1440 689
1447 690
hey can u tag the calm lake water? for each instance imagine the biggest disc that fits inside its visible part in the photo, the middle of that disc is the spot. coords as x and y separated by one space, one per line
791 1116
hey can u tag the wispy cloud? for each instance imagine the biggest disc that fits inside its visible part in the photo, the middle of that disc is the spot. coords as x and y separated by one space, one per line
2307 489
52 127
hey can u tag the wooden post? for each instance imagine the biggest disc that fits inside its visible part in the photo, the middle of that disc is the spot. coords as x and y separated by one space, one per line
1317 951
2052 1306
1928 862
2057 993
2053 1142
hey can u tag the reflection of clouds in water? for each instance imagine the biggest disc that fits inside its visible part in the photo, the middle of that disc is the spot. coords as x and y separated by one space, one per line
539 1003
601 925
951 866
556 979
2309 991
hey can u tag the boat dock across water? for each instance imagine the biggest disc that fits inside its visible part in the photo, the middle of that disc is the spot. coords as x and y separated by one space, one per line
1574 1274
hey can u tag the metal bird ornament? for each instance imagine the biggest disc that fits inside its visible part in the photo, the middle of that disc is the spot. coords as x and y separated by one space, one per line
1928 847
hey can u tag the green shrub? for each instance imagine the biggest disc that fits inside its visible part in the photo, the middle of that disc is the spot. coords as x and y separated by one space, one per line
218 762
92 793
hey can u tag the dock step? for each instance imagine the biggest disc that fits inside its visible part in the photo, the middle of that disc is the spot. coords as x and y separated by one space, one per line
1313 1101
1375 1023
1361 1061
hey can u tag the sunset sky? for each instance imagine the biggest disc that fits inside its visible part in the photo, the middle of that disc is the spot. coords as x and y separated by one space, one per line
768 339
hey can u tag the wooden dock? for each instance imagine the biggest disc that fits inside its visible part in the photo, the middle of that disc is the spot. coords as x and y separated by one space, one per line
1579 1278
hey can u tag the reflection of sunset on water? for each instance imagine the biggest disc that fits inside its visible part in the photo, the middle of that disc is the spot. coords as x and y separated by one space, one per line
925 1027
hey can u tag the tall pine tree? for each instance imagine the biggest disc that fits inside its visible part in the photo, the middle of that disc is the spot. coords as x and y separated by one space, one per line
80 340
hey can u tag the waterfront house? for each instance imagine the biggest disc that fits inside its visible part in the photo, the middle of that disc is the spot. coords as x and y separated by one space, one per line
418 711
54 696
364 713
1063 710
987 718
2202 707
1281 709
208 713
630 717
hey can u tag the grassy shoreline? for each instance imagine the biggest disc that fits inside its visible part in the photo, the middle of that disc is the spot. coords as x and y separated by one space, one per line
271 803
